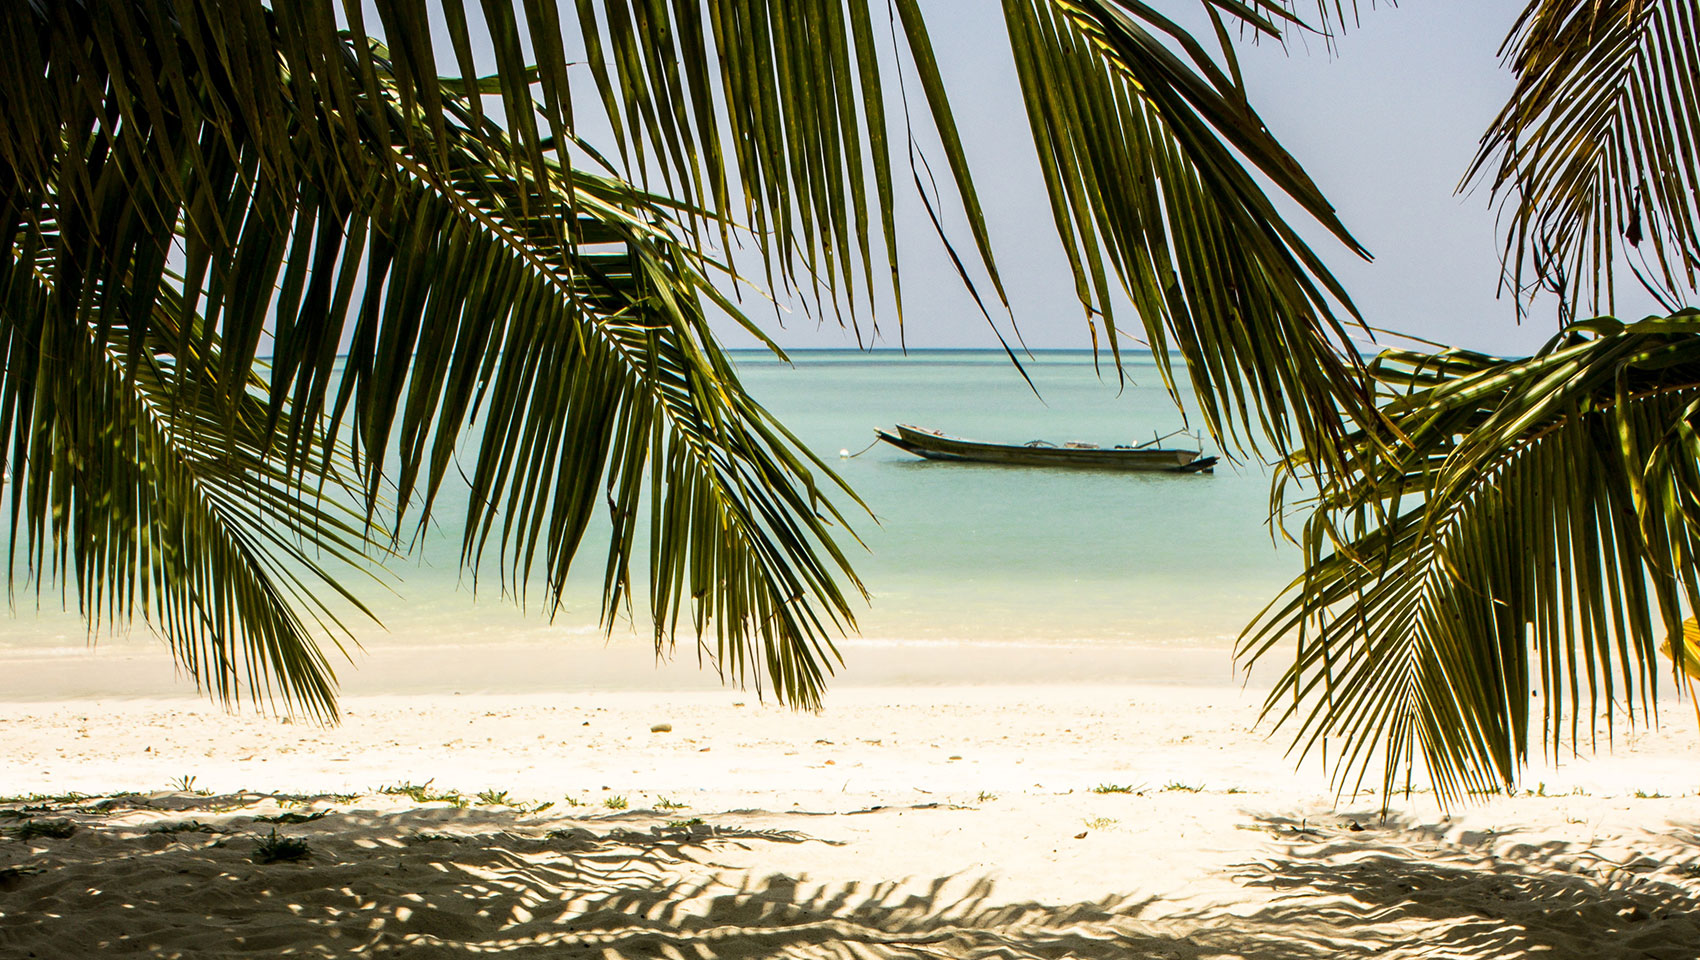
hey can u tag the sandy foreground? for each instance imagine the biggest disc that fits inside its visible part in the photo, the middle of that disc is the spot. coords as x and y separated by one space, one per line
909 818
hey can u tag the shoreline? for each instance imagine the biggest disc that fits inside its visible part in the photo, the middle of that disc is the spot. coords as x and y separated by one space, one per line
145 671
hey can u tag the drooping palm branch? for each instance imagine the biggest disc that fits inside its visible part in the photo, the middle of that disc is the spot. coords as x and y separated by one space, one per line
1597 153
139 486
381 257
1537 530
1143 139
306 193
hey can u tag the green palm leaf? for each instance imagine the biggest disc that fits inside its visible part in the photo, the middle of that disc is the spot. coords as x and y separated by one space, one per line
1536 529
281 211
1138 146
323 194
1597 147
146 496
1140 136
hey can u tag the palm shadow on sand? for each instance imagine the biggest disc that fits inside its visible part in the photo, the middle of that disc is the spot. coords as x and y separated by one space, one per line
436 882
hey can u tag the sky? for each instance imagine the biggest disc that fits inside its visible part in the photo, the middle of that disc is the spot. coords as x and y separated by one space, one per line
1386 123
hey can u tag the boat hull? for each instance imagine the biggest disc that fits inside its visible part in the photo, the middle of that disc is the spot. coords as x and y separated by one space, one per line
936 446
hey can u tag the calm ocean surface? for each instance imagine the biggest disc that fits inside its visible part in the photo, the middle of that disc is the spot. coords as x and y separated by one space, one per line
959 552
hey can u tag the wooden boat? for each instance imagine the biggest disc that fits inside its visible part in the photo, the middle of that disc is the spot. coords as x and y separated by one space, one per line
1040 453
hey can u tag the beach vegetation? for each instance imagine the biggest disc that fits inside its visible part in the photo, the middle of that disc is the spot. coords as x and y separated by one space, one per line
275 849
1114 788
183 784
494 798
183 826
423 793
684 824
292 817
615 802
1175 786
985 796
52 829
668 803
1100 823
50 799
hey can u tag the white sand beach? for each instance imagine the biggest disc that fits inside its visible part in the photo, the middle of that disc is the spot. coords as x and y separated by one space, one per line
1081 814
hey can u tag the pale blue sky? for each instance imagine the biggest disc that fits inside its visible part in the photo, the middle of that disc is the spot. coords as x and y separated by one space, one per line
1387 124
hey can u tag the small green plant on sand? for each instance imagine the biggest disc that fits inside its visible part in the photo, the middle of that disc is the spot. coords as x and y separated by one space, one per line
494 798
615 802
276 849
667 803
39 798
986 796
293 817
51 829
1175 786
422 793
185 826
684 824
1649 795
1113 788
1100 823
183 784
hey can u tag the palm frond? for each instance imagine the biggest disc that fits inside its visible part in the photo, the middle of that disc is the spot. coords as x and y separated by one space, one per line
1140 135
1537 530
146 498
1594 156
1138 144
330 194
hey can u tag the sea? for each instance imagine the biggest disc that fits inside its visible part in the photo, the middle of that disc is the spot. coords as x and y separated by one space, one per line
949 552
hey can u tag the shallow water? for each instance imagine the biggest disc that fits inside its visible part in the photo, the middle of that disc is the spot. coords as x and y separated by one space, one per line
959 552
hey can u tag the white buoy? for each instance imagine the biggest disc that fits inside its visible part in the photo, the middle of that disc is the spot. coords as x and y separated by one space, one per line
843 452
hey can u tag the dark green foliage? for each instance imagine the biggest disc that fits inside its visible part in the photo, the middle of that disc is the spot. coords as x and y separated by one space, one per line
276 849
51 829
1593 158
422 793
1529 525
185 826
164 465
293 817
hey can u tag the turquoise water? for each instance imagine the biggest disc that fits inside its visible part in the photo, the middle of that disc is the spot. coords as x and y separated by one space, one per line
958 552
964 551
